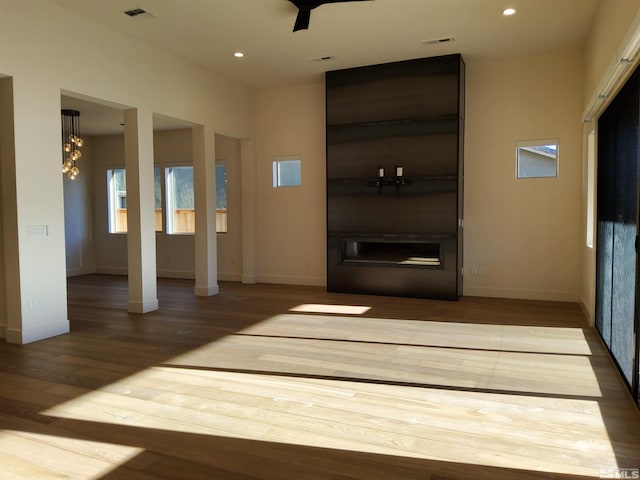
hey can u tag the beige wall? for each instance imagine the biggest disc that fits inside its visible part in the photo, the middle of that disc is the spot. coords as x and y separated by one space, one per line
610 24
110 249
291 221
78 215
524 232
230 243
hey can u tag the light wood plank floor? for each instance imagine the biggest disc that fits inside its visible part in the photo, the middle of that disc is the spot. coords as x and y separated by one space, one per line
281 382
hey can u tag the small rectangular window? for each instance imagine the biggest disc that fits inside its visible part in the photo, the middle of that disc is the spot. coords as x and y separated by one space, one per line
180 200
117 200
537 158
221 197
287 172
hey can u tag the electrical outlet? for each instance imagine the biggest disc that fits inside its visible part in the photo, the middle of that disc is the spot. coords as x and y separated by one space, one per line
481 271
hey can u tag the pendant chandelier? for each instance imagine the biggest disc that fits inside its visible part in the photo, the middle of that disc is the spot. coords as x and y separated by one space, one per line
71 142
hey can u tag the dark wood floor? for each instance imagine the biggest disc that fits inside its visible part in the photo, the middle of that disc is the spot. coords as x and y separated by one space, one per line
282 382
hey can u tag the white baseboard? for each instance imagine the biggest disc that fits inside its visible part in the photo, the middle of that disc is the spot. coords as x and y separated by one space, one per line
206 290
112 270
143 307
292 280
229 277
249 279
522 294
176 274
76 272
36 332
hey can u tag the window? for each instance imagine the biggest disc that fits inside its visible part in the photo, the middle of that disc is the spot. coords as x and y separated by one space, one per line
180 200
221 197
157 190
287 172
537 158
591 186
117 192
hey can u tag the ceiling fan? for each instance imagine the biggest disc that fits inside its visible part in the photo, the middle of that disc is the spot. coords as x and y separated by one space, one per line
304 10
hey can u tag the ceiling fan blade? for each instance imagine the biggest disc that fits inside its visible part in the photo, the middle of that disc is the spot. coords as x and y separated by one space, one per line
305 7
311 4
338 1
302 20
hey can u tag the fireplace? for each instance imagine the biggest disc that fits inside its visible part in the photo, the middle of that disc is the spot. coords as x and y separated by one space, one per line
408 265
412 254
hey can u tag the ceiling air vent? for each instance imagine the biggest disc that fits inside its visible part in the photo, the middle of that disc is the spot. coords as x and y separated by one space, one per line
322 59
437 41
138 13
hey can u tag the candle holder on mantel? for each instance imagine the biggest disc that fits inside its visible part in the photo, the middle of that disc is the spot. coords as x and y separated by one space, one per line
398 180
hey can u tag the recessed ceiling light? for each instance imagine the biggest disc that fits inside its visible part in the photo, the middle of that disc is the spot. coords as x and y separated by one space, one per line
238 54
508 11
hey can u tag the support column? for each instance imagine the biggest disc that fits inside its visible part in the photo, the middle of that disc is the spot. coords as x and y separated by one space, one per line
10 281
248 175
204 184
32 211
141 236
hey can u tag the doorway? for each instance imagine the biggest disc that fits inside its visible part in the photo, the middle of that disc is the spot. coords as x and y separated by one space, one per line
617 230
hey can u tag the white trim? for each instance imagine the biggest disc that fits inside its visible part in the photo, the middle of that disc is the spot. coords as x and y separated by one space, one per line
229 277
206 291
143 307
76 272
36 332
292 280
623 64
184 274
522 294
112 270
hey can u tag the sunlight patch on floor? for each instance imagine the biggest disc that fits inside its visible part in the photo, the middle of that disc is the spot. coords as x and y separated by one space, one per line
58 456
452 392
450 426
326 308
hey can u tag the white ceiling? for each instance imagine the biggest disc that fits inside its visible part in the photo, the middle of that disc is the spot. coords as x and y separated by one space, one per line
208 32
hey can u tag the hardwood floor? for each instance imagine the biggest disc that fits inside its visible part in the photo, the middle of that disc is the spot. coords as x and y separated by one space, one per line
282 382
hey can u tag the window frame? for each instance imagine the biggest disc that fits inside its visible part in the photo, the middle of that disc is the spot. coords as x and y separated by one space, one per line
113 197
169 199
524 145
276 165
219 215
